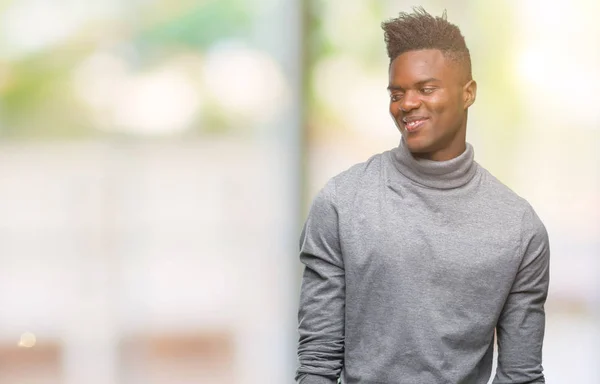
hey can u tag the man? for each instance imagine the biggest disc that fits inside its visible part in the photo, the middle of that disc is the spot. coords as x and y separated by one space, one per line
416 258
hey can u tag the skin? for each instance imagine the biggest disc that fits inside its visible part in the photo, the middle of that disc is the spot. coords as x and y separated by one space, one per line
426 86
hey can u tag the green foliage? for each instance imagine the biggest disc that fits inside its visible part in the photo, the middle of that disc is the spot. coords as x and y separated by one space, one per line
199 26
37 101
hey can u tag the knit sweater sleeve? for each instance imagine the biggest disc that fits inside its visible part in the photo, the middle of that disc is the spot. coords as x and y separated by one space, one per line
520 328
322 296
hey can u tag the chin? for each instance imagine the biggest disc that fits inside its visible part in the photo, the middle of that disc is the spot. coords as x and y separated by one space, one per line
416 144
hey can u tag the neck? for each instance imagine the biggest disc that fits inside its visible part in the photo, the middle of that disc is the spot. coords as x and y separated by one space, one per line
458 145
449 173
443 154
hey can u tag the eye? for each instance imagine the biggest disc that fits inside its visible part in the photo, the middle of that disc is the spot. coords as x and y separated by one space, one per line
427 90
396 97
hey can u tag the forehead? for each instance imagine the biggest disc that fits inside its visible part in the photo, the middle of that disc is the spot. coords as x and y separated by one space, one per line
414 66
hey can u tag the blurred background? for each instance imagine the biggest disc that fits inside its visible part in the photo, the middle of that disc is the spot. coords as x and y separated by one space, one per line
157 160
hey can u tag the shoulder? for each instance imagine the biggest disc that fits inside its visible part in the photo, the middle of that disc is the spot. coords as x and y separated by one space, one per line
502 197
533 230
357 176
511 203
342 187
500 192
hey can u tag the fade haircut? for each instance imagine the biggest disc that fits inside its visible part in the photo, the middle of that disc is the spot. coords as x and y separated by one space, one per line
420 30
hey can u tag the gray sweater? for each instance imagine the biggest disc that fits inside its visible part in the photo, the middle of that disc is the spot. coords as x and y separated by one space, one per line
411 267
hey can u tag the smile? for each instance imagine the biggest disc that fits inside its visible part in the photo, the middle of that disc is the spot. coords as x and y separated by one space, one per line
413 124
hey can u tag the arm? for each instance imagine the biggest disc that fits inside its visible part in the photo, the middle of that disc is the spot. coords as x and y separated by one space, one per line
520 328
322 297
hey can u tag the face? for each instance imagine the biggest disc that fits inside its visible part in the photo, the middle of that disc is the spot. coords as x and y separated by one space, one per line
429 98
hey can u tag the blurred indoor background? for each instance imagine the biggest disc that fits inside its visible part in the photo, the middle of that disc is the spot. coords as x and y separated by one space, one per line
157 159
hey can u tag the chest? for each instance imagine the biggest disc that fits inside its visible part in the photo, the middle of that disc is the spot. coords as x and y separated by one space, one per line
443 246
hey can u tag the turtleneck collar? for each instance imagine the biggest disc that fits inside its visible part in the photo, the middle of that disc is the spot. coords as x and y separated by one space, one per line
448 174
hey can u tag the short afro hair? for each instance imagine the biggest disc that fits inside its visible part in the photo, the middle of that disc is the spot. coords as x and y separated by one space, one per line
420 30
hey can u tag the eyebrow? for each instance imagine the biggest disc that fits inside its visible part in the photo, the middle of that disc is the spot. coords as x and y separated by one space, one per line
418 83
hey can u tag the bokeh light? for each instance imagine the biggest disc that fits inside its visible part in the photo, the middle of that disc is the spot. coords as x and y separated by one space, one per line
158 157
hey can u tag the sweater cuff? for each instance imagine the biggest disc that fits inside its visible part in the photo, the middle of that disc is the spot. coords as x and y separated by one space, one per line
315 379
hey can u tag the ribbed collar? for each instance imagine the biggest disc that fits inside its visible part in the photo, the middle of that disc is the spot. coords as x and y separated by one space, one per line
448 174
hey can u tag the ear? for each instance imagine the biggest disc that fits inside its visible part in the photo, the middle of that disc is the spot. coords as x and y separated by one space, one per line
469 93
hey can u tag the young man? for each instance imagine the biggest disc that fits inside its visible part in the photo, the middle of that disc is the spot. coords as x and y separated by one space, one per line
417 257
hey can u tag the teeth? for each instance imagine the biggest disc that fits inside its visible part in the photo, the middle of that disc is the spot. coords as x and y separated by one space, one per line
412 124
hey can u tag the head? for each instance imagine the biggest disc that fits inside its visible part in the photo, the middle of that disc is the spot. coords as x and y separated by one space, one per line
430 83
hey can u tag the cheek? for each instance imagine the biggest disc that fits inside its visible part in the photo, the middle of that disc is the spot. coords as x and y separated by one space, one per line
394 110
436 109
443 106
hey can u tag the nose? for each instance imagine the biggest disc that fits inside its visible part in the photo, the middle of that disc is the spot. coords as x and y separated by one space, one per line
410 101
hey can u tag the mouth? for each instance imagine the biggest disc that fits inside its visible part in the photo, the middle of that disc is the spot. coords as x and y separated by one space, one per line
412 124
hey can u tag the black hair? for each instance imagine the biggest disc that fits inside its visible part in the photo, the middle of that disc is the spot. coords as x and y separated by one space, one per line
419 30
